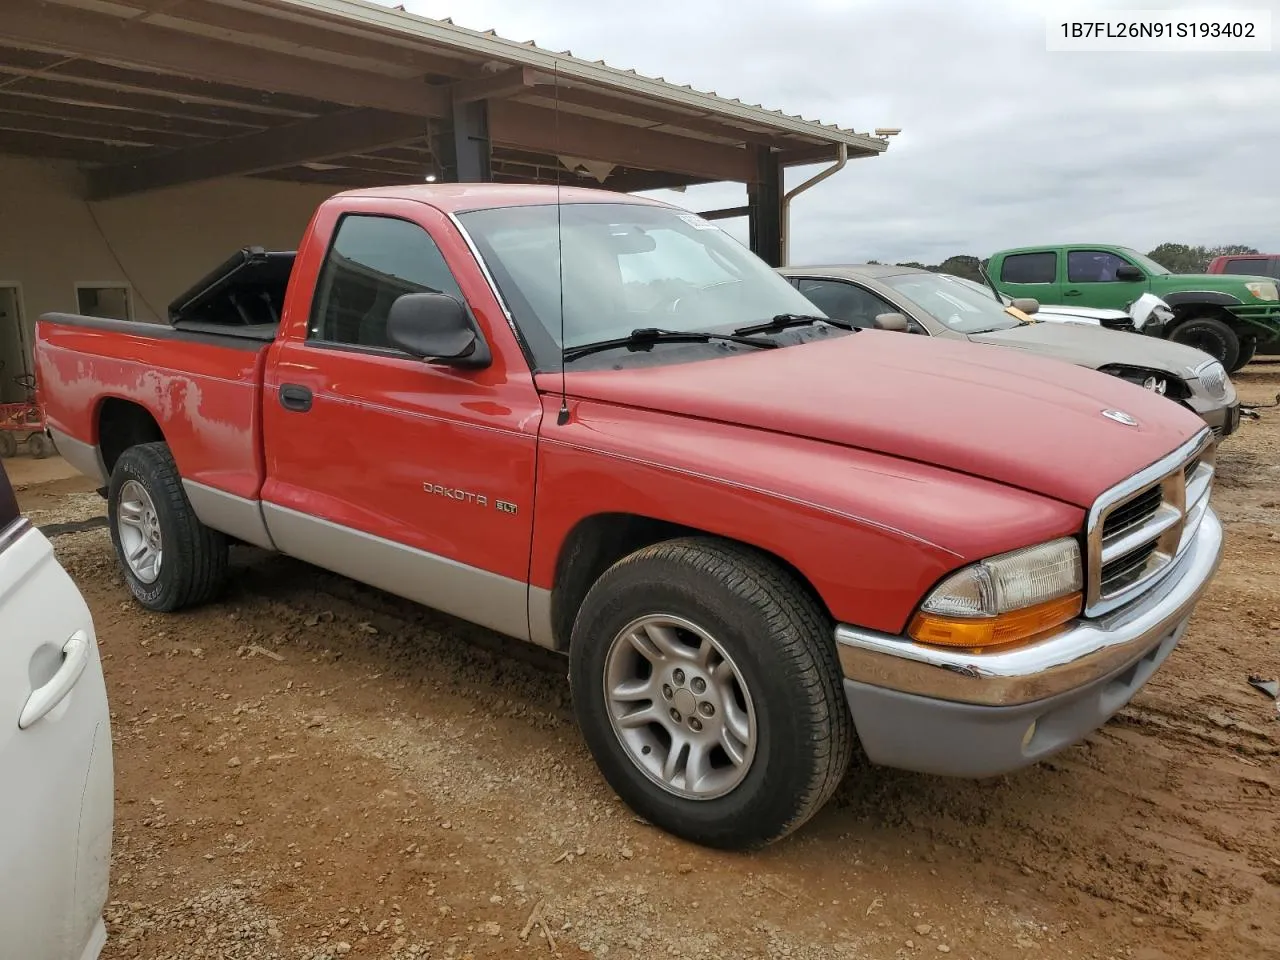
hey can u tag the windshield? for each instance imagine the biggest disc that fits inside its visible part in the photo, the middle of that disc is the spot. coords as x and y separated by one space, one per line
1145 262
625 266
953 302
981 288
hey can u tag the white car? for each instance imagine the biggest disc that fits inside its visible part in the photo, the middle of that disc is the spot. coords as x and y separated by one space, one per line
56 774
1146 314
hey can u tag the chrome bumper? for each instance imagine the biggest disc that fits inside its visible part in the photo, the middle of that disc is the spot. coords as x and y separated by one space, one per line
1080 654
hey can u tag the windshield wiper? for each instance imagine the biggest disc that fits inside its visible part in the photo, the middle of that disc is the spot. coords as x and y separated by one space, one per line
785 321
645 336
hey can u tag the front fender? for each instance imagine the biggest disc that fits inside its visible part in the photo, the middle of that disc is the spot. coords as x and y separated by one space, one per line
1216 298
870 533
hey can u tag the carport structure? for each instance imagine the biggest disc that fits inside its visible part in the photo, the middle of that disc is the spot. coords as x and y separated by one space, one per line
147 94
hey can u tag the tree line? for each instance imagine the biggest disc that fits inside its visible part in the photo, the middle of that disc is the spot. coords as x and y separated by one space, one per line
1174 257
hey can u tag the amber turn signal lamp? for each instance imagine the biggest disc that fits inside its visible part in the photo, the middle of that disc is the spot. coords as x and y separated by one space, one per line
997 631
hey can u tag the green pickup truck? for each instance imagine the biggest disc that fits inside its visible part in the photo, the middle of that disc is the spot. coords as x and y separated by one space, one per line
1225 315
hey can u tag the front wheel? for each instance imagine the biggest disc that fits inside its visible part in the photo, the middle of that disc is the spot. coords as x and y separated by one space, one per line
169 558
706 684
1212 336
1248 347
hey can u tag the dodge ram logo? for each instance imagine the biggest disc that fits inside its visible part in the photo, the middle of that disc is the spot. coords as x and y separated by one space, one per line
1119 416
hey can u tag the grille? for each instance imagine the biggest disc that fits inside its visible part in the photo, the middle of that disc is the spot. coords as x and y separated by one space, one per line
1214 379
1134 513
1138 529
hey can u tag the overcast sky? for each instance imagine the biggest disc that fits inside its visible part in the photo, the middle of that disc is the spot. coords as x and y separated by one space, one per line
1003 143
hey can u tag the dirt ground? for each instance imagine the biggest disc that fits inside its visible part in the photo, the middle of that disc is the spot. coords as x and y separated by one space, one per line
311 769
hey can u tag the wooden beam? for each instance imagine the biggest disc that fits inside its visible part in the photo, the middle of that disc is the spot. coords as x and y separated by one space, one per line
91 130
306 33
61 148
71 31
494 87
701 123
14 102
725 213
334 135
99 96
568 134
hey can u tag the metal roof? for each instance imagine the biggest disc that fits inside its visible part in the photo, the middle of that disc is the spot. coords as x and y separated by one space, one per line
147 93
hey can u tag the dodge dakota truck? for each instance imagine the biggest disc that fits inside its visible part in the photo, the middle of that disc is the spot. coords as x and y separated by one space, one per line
598 423
1225 316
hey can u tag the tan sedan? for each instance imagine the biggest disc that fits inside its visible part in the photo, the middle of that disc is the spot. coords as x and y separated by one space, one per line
940 305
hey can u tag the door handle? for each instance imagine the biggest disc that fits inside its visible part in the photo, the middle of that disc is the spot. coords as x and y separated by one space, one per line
75 657
1071 293
296 397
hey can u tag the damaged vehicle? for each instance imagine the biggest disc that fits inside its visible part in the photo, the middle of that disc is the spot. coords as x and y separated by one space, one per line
1147 315
940 305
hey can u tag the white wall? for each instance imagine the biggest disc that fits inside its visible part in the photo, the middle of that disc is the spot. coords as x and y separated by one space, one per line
160 243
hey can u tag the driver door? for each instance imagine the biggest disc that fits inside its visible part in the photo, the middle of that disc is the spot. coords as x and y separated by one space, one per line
1091 281
411 476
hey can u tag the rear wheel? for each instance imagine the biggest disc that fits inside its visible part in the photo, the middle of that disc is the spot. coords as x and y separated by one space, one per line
1248 347
8 444
1211 335
169 558
39 446
706 685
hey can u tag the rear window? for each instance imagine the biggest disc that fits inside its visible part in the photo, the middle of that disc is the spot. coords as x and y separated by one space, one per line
1030 268
8 502
1253 266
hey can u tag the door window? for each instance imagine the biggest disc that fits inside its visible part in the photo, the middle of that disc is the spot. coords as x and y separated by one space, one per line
845 301
1093 266
373 261
1029 268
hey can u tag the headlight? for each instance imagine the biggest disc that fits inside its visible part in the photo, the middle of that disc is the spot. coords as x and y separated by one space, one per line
1213 378
1263 290
1004 599
1157 381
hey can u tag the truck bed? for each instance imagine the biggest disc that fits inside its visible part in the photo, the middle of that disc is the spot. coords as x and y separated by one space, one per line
202 387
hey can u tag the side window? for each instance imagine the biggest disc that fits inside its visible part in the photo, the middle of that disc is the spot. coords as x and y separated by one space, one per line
1093 266
1030 268
845 301
374 260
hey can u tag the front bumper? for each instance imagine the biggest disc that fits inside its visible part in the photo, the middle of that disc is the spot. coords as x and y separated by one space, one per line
969 714
1222 418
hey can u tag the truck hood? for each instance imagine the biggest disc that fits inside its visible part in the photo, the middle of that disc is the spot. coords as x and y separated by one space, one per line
990 412
1232 283
1095 347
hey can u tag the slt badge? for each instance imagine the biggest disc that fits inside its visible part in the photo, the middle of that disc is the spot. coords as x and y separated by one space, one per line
1119 416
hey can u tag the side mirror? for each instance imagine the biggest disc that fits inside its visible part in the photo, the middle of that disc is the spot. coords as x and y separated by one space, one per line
1027 305
1129 273
436 327
897 322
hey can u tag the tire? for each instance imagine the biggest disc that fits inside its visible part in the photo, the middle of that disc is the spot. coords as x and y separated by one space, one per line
191 567
1211 335
8 444
39 446
777 639
1248 348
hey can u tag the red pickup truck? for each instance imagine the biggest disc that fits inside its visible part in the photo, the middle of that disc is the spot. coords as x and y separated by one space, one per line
600 424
